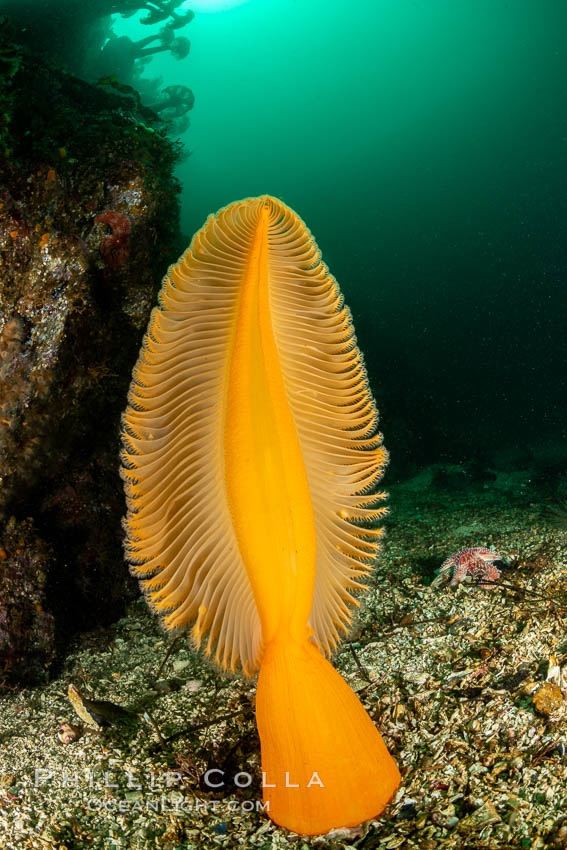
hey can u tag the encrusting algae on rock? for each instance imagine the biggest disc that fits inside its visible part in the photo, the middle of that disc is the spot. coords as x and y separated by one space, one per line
250 461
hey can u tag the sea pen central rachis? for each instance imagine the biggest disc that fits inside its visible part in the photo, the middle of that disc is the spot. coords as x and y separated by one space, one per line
250 459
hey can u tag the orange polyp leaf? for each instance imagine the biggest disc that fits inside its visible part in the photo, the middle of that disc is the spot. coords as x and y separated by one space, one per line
250 459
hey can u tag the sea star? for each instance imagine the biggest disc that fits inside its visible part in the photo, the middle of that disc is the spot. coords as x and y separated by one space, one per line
476 562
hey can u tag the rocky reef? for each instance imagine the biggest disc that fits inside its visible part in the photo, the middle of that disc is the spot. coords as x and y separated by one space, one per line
88 224
96 54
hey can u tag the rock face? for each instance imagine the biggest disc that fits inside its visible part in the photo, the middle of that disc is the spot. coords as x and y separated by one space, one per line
88 225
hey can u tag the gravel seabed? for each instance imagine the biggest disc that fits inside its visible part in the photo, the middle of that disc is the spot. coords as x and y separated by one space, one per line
466 684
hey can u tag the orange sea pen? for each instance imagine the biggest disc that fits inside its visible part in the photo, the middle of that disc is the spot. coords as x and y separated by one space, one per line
250 460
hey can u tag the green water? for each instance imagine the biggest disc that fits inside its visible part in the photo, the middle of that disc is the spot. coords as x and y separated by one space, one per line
424 142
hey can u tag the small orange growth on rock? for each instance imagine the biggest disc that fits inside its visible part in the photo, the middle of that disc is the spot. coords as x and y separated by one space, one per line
51 174
13 233
44 240
3 555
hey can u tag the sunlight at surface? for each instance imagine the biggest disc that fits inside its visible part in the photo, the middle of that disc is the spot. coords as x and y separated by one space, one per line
212 5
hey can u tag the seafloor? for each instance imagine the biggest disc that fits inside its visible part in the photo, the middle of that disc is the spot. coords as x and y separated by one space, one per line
454 677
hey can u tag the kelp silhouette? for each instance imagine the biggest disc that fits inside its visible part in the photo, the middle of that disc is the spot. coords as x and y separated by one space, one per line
250 461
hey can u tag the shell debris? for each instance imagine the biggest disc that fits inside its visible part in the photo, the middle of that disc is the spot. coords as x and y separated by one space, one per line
480 764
